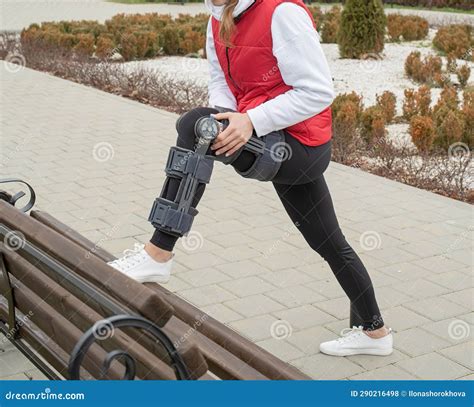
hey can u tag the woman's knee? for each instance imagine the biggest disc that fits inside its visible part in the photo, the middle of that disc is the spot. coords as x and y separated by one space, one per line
185 125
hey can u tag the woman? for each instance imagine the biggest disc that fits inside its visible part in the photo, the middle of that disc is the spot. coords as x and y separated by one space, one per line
267 65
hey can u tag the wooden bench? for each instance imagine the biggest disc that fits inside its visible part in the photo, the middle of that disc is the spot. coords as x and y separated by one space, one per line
75 317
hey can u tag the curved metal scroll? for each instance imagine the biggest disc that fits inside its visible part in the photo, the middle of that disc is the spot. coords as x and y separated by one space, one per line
104 329
13 199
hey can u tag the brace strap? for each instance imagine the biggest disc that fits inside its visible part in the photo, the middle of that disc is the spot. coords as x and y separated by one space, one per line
182 162
165 216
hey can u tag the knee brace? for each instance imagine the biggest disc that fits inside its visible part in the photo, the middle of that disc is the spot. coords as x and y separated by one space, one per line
195 167
191 168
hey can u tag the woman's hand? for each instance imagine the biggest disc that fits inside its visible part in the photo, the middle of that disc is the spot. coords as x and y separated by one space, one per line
237 133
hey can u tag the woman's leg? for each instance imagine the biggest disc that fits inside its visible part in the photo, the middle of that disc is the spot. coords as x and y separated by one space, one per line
162 241
310 207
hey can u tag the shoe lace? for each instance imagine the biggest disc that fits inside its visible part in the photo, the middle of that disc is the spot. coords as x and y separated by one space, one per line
129 258
348 334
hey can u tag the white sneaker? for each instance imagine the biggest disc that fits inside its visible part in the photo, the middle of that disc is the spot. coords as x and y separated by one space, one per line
136 263
355 342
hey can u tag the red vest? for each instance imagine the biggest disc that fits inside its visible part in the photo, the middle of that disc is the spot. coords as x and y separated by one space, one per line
252 73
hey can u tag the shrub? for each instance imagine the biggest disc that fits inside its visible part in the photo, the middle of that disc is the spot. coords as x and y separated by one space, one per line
330 28
135 36
463 73
417 102
422 132
317 16
345 131
387 101
450 127
373 124
468 112
352 98
408 27
105 46
362 28
455 39
428 70
85 44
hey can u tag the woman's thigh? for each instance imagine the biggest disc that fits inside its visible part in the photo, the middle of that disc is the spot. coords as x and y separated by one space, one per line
302 163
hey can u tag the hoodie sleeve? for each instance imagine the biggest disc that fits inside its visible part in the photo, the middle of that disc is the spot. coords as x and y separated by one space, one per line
218 90
303 66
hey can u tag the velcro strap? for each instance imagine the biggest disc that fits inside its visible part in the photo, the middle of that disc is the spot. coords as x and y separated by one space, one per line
199 167
166 217
177 159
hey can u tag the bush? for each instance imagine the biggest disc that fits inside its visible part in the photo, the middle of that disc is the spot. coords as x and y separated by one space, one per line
330 28
387 101
455 39
134 36
450 127
346 112
417 102
373 124
463 73
422 132
318 16
408 27
428 70
362 28
468 111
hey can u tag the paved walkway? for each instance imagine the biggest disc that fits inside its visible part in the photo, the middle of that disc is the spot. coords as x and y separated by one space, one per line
18 14
96 161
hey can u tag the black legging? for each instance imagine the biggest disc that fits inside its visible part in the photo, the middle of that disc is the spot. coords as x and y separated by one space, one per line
302 189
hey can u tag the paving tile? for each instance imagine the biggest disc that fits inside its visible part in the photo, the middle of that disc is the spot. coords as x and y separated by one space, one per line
308 340
256 328
433 366
207 295
384 373
453 330
303 317
247 286
462 354
416 342
254 305
323 367
294 296
202 277
435 308
337 307
281 348
221 313
369 362
400 318
286 278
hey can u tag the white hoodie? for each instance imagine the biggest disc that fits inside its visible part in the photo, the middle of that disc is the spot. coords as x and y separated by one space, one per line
301 62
